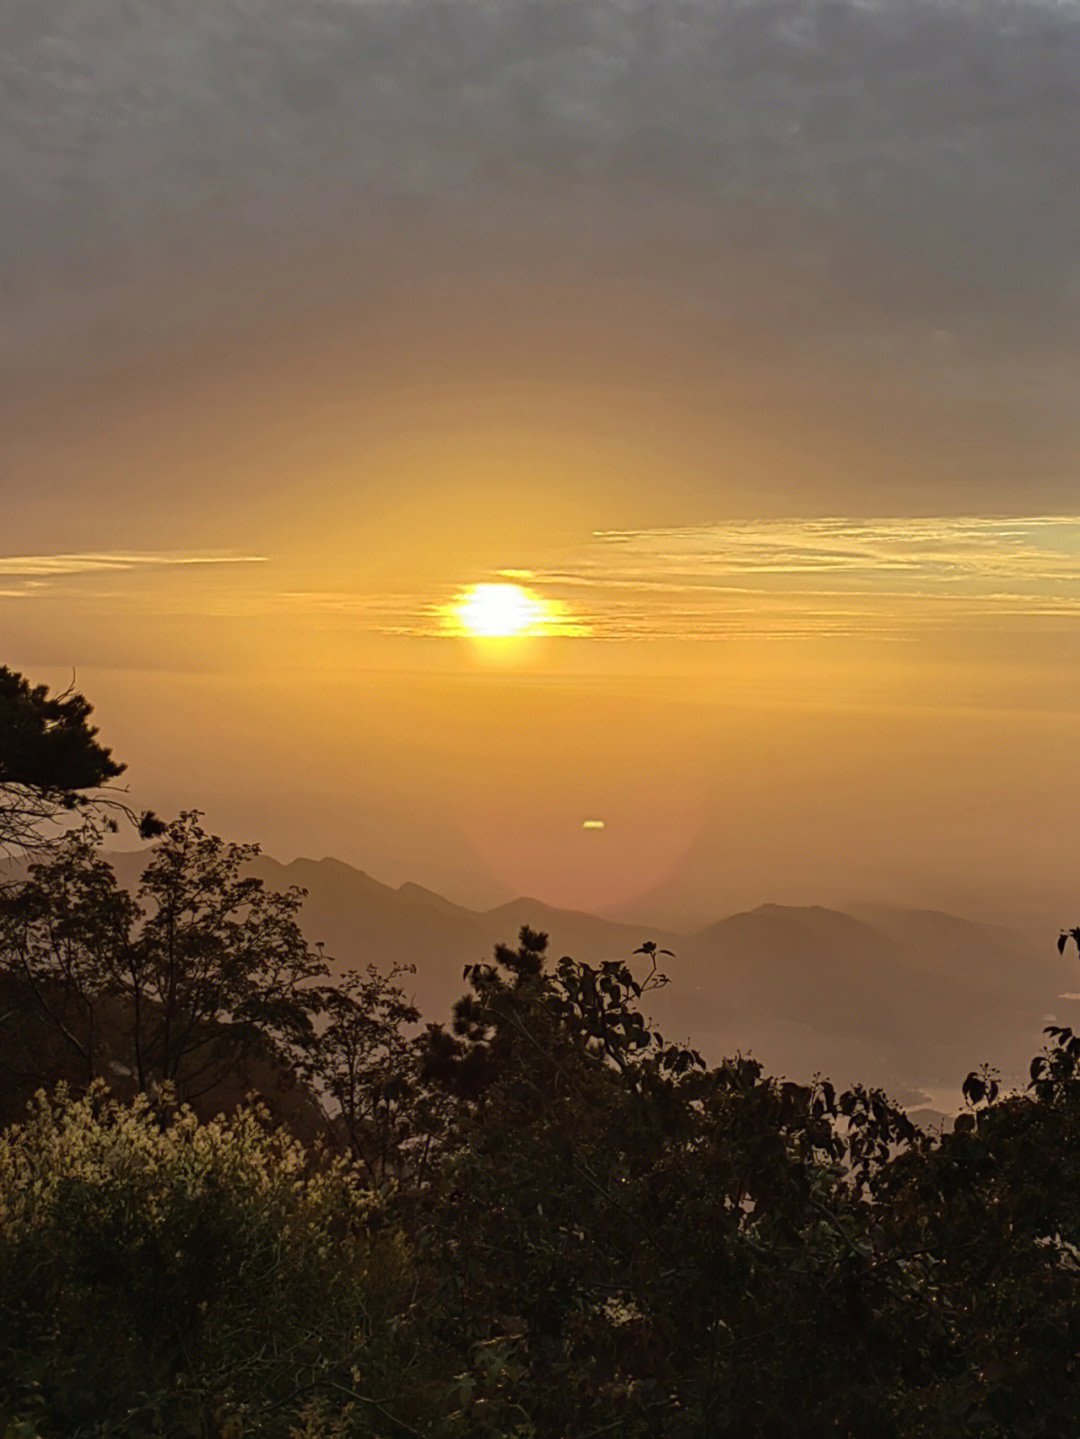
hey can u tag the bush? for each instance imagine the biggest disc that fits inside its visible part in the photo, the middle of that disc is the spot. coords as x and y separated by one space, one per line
162 1276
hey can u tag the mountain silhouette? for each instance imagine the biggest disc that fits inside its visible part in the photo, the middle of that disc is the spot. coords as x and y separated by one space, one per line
912 1000
908 999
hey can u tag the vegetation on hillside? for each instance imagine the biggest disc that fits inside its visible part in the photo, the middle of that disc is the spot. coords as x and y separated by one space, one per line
542 1219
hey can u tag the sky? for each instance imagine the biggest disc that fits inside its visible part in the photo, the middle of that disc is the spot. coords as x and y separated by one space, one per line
742 334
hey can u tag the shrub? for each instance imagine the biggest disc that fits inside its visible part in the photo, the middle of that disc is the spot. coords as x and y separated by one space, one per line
162 1276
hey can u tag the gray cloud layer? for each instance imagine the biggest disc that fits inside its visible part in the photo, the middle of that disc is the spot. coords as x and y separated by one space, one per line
918 158
811 254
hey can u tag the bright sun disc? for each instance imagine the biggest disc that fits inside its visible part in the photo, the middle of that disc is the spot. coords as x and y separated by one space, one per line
499 611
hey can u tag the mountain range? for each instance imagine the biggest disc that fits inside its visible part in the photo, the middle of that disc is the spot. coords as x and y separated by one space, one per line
908 999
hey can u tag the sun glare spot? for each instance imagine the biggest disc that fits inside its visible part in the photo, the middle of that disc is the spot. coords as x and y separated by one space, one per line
499 612
507 612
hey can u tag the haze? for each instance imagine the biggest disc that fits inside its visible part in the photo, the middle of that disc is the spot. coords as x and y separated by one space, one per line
747 334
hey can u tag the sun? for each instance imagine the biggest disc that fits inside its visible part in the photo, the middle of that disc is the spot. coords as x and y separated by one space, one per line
491 613
500 612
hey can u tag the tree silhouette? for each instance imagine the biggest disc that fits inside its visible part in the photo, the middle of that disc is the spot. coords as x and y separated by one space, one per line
50 763
203 967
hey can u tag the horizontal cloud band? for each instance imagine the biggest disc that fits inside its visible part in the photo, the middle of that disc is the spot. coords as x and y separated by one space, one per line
775 578
828 575
37 566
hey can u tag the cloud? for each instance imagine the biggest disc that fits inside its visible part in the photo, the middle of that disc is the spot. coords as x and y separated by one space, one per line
936 551
774 578
86 563
388 614
46 575
821 576
866 134
890 578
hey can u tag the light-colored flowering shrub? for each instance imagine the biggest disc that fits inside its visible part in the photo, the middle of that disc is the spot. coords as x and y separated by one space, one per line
159 1275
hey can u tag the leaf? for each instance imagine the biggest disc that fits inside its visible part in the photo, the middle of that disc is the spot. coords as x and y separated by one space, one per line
974 1089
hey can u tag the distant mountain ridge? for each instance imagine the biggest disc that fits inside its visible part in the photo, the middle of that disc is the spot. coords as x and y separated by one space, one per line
910 999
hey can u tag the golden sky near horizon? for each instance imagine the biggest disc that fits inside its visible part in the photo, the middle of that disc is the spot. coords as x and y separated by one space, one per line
798 711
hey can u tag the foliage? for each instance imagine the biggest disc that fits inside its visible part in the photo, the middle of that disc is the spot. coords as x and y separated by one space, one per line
50 758
216 948
159 1276
171 986
608 1237
666 1249
360 1059
992 1212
